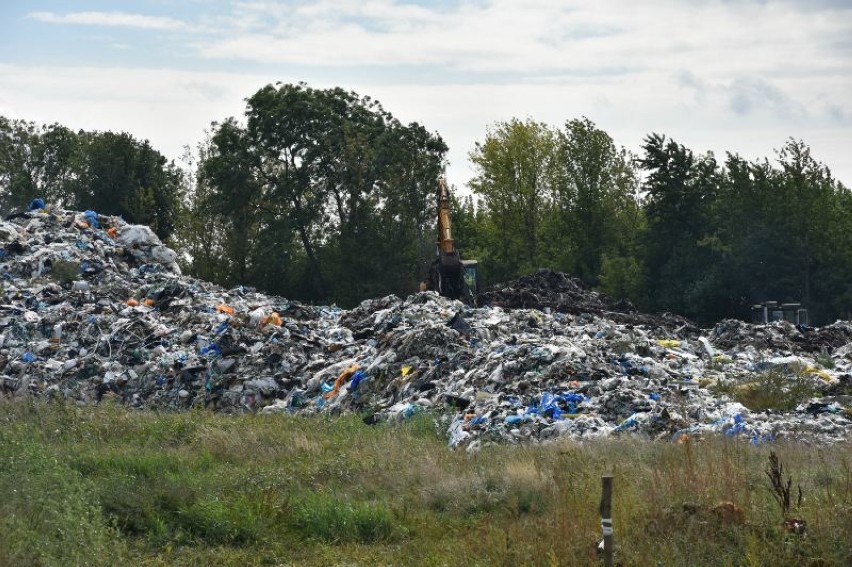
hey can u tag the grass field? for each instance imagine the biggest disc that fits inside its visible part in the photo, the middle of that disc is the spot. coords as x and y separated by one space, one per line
109 486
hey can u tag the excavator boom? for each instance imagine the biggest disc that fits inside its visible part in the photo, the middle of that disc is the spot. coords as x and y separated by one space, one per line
445 231
449 275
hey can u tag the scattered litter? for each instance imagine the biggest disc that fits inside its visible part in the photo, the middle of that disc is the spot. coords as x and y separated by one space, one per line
92 306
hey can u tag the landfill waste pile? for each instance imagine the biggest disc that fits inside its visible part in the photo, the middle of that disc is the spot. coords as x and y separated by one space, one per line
555 291
94 308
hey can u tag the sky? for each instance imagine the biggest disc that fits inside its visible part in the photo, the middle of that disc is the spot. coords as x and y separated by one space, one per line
739 76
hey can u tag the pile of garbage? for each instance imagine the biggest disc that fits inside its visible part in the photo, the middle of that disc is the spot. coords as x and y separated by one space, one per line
548 290
93 308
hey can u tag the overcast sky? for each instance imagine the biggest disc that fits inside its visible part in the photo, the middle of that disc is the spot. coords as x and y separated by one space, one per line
720 75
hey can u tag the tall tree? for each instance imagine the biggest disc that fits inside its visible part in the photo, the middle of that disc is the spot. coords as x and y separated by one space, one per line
108 172
326 177
404 232
231 191
596 198
121 175
516 169
810 211
681 189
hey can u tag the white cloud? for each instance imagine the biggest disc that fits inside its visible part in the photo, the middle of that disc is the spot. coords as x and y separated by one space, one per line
536 38
472 37
112 19
715 75
173 108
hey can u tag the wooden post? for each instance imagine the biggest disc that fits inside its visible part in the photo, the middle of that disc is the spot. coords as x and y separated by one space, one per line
606 519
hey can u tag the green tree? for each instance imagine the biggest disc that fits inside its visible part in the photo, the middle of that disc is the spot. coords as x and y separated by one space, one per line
331 192
202 234
516 170
36 161
404 232
120 175
681 190
722 239
110 173
228 189
596 198
812 218
622 276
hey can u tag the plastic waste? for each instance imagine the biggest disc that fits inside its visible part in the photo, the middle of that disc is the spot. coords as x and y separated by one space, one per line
85 310
346 374
357 378
92 218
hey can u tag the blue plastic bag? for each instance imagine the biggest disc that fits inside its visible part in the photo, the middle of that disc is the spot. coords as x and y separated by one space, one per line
357 378
92 218
738 427
212 348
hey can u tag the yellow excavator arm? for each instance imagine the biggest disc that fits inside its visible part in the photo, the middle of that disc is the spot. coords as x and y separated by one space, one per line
445 231
449 275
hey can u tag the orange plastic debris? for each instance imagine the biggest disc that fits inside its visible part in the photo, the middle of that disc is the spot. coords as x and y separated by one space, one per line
149 302
222 308
132 302
340 380
271 319
112 232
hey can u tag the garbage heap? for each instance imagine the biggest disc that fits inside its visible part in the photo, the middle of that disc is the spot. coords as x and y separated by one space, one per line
95 308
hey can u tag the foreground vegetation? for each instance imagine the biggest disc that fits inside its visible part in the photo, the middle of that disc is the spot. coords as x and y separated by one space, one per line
102 486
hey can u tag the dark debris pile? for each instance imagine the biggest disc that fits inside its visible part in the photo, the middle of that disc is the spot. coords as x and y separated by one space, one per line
558 292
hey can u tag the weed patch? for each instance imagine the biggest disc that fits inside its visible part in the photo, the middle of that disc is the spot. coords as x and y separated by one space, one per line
215 521
769 390
48 512
330 519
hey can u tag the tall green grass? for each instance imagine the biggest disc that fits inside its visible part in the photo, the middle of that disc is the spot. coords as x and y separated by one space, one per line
107 485
48 515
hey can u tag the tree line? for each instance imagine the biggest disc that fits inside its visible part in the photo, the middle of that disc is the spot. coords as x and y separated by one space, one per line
669 229
322 195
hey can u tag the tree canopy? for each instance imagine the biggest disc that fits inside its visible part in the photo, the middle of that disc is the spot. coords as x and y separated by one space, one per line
323 195
103 171
695 236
